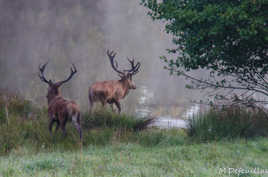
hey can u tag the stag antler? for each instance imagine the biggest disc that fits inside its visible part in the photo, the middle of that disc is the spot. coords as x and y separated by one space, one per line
41 73
134 67
114 64
73 71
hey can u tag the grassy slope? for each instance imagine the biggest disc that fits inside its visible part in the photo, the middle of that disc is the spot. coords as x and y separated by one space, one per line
136 159
112 148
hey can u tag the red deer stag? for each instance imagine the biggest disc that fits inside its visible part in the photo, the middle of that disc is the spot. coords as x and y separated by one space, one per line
60 110
113 90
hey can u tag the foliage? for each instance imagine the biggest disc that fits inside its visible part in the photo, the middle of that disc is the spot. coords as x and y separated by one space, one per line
228 122
112 148
20 133
14 104
28 126
106 118
229 38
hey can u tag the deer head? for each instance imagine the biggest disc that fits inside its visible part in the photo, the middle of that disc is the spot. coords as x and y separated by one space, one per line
53 88
125 75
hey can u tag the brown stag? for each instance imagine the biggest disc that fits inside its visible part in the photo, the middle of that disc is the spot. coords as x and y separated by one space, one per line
60 110
112 91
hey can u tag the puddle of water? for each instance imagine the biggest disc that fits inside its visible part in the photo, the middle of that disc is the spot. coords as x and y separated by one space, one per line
169 122
166 122
193 110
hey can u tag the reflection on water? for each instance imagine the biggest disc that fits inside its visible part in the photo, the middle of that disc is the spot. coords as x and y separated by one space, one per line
168 121
193 110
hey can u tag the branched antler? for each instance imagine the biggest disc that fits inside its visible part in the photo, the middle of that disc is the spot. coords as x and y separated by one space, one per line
111 55
43 78
41 73
134 67
73 71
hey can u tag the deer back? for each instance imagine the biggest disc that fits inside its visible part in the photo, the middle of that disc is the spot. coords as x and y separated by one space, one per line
106 90
61 108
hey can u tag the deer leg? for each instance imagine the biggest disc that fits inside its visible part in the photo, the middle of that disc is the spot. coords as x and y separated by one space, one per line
62 126
112 106
103 102
58 125
76 122
51 121
90 107
50 125
111 102
118 106
91 103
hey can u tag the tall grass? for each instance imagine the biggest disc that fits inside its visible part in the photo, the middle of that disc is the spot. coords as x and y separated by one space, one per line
107 118
27 125
228 122
34 135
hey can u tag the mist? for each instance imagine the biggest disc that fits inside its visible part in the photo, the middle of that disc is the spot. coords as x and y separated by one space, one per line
66 31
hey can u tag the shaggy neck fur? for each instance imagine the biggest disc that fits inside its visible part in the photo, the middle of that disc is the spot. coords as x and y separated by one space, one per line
125 86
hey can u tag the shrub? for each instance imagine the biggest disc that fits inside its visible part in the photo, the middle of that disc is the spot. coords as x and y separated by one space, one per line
228 122
106 118
28 126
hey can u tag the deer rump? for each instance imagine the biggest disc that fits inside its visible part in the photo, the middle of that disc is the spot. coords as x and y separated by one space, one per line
61 110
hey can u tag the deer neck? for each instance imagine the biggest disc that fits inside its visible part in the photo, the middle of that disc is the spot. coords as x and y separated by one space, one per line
50 100
125 87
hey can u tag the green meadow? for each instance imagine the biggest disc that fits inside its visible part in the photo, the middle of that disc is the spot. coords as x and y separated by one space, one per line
122 145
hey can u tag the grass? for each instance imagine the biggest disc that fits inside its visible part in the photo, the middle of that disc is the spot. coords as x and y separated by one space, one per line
34 132
134 159
28 126
229 122
120 145
107 118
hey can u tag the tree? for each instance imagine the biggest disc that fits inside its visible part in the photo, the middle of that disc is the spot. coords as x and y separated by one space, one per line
229 38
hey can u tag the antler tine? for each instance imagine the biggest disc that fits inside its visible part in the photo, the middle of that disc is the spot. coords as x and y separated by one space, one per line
73 69
134 68
41 73
42 68
114 64
132 65
72 73
132 62
137 68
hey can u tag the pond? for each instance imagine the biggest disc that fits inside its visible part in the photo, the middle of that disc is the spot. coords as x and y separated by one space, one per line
167 121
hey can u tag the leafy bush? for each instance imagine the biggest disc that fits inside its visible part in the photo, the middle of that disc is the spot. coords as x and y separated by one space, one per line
28 126
106 118
230 122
